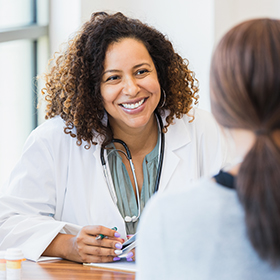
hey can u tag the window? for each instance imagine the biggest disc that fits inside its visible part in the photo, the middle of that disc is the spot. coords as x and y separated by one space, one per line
23 55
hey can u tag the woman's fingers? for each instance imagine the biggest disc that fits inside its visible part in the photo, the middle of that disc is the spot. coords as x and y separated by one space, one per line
105 242
91 249
131 256
97 230
104 248
100 254
101 251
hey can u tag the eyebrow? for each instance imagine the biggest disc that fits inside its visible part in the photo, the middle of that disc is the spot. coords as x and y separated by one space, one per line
111 70
141 64
136 66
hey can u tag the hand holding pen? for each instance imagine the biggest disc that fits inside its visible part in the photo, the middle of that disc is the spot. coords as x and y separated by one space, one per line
86 248
130 256
101 236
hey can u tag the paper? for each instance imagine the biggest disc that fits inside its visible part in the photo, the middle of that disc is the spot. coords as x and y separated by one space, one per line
44 259
122 265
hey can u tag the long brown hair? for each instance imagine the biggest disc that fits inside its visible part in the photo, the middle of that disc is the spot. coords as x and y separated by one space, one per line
72 88
245 93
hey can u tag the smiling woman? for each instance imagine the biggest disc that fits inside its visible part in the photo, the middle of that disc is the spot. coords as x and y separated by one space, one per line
130 88
122 92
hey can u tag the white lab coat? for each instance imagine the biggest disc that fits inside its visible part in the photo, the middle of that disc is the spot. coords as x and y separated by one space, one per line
58 186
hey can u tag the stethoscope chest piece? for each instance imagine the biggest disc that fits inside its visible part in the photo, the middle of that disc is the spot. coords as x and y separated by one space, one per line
130 219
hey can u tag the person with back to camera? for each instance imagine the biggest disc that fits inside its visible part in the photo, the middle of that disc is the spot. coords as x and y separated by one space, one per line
228 227
117 79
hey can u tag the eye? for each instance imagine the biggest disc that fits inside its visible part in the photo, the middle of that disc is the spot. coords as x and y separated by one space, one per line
142 71
112 78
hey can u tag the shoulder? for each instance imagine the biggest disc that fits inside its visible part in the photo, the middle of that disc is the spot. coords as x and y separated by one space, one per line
202 116
50 134
193 211
197 119
195 126
201 120
55 124
51 130
203 196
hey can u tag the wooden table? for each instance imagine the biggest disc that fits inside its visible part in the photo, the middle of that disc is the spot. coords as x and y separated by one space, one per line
62 269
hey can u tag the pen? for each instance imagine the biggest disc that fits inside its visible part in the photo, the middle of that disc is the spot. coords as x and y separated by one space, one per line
101 236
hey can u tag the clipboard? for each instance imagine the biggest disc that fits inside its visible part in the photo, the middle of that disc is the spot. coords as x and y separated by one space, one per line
128 245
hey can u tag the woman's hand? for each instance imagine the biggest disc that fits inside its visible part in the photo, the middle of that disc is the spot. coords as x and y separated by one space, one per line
88 249
84 247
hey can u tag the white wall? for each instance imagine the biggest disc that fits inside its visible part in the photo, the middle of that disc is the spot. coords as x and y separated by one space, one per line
65 19
231 12
193 26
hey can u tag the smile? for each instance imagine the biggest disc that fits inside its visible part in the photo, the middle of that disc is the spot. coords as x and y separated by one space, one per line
133 105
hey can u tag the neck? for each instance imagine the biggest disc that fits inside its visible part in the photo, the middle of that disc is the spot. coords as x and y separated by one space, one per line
139 140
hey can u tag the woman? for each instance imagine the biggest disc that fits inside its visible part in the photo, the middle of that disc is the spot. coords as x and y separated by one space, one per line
228 227
118 79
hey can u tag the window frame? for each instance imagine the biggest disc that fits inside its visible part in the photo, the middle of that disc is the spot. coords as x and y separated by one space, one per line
33 31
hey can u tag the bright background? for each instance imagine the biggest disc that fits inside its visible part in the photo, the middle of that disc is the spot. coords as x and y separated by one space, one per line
194 27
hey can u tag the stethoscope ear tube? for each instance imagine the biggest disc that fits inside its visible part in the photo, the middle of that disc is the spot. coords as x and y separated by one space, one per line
162 146
125 146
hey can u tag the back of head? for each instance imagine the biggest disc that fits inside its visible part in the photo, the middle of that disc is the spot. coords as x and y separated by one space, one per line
245 94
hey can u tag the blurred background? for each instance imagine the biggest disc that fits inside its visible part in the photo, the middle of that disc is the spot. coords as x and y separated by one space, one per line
31 31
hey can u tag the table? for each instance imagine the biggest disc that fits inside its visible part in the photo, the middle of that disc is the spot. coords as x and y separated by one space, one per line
62 269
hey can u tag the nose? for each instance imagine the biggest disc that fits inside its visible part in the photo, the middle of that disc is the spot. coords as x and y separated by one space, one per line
130 86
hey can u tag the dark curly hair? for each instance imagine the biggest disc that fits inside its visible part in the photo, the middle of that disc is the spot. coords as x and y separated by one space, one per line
72 88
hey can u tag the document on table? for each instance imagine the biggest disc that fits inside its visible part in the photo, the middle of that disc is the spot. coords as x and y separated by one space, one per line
44 259
122 265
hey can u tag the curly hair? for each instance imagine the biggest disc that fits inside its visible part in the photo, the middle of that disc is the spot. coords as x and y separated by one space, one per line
72 88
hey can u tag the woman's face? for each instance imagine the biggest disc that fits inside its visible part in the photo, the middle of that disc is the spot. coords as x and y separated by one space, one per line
129 85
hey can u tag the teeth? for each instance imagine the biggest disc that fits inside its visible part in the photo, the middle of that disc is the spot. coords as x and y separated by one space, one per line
133 106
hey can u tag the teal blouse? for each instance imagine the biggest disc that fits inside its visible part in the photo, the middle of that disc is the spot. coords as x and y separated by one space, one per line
127 202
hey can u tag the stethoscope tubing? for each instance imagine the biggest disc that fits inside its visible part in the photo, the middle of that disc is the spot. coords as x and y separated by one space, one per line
129 157
162 146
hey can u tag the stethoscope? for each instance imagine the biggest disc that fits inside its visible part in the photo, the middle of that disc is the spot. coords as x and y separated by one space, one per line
127 154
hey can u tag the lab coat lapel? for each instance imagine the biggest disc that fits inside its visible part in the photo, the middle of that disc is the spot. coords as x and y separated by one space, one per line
176 137
113 216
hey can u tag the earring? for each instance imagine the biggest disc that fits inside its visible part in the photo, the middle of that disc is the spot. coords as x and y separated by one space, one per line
164 99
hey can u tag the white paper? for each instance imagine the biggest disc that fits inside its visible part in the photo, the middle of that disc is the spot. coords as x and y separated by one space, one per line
123 265
44 259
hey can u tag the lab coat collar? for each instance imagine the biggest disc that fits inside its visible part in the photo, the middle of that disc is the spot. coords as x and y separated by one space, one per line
176 137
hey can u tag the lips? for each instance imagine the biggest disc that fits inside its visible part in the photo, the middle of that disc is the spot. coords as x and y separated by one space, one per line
133 105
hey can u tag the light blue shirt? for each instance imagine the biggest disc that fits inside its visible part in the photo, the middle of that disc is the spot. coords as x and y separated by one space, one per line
127 202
